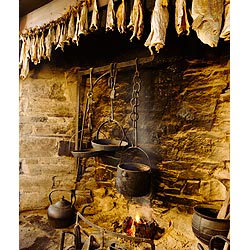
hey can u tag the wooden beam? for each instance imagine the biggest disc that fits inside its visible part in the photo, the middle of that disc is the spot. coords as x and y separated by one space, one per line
119 66
50 12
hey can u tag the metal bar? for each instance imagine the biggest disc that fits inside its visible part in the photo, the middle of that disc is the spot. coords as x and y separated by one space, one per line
119 66
79 79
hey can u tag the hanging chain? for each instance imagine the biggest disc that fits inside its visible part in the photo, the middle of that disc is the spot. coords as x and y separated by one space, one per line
90 102
111 84
134 116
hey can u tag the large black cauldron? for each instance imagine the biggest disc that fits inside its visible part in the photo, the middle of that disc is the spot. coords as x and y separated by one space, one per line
133 179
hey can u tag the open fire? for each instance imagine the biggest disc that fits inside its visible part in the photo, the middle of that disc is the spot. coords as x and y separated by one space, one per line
141 227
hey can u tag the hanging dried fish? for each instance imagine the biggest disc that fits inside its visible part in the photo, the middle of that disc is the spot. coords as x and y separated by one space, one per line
48 43
39 48
25 68
94 18
53 33
110 19
207 20
24 56
23 37
181 20
121 17
32 44
71 25
65 31
136 23
159 24
42 46
225 33
75 38
34 49
83 22
58 32
62 39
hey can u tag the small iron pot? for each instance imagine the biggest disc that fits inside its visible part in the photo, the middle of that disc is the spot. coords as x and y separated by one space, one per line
62 214
133 179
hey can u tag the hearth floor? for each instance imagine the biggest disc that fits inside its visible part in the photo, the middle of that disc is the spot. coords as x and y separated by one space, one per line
35 232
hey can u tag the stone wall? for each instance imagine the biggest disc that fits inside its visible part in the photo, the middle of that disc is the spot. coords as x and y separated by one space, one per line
184 126
47 117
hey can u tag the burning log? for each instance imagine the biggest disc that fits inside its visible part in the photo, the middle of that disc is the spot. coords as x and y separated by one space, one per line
140 227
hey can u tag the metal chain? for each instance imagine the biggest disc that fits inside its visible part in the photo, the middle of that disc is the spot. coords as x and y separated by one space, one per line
111 84
134 102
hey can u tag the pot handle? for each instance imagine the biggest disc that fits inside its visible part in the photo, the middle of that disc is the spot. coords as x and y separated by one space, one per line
72 197
137 148
121 128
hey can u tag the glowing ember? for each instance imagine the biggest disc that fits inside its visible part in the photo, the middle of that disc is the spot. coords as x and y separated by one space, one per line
137 218
139 227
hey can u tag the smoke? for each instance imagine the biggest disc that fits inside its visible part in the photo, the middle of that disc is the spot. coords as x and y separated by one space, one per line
140 206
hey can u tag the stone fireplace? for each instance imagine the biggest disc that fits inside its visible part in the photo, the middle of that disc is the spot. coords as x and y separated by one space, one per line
183 126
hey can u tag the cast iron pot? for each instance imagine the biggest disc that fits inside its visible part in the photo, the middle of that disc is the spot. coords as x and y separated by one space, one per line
205 225
133 179
62 214
109 144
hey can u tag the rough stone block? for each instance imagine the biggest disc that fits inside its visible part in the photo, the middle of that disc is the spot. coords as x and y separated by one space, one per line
32 201
212 190
28 183
190 174
222 174
37 147
172 191
191 187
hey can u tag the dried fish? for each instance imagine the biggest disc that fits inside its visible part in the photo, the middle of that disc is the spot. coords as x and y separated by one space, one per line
110 19
71 26
136 23
62 38
225 33
94 18
24 56
48 43
75 39
53 33
159 24
58 32
207 20
41 46
121 17
181 20
83 22
35 47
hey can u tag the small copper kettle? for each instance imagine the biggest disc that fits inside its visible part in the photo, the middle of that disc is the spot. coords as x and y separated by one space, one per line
62 214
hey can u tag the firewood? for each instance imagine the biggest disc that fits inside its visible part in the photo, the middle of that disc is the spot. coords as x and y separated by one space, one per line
223 211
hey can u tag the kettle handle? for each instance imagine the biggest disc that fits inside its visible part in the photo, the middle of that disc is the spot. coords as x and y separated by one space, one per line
72 197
